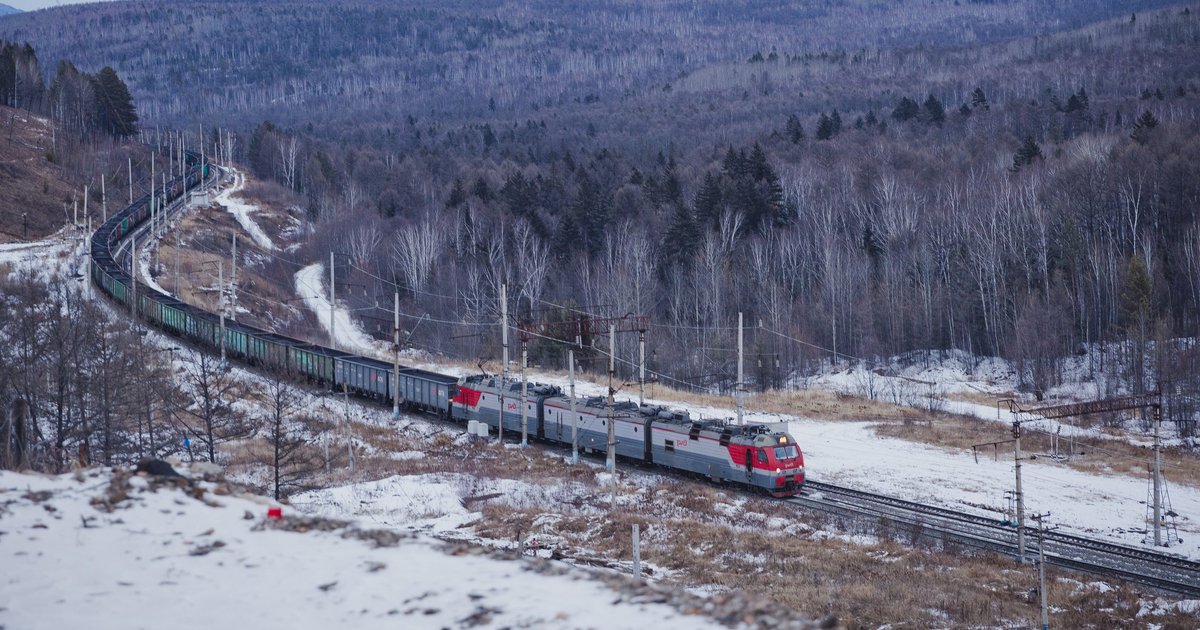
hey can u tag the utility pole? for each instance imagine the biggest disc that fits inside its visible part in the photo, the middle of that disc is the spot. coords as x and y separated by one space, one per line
176 252
332 301
103 198
396 358
349 431
1158 471
221 306
612 393
133 278
1016 431
152 196
739 392
612 414
641 366
161 229
131 180
233 279
574 418
1042 568
504 368
524 389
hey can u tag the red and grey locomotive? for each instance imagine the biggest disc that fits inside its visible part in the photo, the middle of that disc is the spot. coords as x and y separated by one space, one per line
757 455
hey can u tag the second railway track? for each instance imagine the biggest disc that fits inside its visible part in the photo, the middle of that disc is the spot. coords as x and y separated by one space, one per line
1161 571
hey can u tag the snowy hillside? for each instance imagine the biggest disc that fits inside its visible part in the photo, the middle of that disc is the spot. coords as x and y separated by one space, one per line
113 550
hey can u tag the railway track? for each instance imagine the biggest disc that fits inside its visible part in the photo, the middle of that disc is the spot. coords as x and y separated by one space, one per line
1161 571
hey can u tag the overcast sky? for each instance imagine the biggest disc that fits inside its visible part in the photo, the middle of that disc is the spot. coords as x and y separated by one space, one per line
29 5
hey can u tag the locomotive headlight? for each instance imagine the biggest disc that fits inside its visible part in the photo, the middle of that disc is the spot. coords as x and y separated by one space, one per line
778 470
783 439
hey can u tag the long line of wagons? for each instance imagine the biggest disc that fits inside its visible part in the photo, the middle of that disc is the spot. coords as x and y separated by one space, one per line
760 456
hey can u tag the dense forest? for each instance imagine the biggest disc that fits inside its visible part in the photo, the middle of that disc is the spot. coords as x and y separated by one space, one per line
1008 178
87 104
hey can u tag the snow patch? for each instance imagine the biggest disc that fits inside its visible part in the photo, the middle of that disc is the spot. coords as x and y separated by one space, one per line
162 558
347 334
242 211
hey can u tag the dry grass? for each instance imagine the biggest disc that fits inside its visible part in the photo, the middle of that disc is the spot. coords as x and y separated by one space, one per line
769 547
206 240
710 536
35 198
980 398
899 579
1099 457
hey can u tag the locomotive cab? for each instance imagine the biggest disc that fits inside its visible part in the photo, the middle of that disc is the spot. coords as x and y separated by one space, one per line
783 460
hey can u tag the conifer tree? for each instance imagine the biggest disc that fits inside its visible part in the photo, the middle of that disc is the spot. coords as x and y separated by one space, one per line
458 194
795 130
935 112
709 201
1143 126
824 128
1025 155
115 111
979 100
907 109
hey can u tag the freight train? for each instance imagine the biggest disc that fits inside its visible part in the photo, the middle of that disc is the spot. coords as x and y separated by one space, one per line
763 457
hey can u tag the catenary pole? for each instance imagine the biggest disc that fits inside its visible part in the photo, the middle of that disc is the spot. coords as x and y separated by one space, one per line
233 279
504 367
396 357
349 429
739 391
612 392
332 302
1158 471
641 367
133 278
524 391
574 418
1042 568
221 305
1016 430
612 413
153 198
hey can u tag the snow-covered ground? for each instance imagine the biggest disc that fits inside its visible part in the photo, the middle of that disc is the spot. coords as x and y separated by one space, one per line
242 211
59 254
348 335
925 384
165 558
850 453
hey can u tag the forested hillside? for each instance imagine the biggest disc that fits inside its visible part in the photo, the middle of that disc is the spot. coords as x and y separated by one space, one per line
1012 178
59 134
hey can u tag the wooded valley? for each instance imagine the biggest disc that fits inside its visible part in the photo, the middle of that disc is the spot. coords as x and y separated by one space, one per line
1008 178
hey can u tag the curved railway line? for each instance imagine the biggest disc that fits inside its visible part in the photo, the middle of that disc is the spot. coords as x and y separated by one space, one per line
114 270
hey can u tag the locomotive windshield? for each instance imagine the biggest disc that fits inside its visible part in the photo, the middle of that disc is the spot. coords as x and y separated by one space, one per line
786 452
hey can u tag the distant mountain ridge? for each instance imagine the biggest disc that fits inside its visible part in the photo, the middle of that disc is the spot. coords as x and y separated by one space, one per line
7 10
